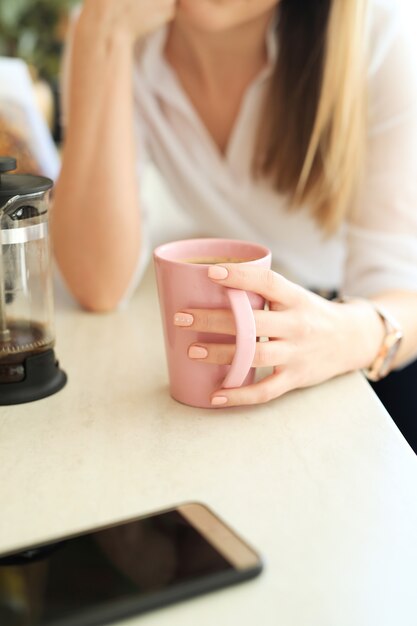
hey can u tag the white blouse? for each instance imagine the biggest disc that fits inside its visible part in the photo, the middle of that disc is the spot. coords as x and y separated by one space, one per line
376 251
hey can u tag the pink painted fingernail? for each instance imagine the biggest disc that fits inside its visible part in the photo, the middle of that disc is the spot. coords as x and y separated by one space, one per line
197 352
217 272
183 319
218 400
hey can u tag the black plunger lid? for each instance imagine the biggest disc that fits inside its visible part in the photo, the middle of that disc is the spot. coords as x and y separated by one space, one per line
19 184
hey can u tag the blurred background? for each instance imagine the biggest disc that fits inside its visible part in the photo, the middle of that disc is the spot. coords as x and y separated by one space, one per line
34 31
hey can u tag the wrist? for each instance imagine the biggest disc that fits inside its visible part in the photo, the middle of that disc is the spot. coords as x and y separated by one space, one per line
104 26
362 331
392 334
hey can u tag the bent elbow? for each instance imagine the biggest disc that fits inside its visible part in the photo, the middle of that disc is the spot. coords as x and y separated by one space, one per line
99 302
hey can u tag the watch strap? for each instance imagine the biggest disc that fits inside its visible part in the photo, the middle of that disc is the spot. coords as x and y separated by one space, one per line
381 366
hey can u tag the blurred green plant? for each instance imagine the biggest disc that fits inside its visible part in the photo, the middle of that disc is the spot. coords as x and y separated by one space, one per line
32 31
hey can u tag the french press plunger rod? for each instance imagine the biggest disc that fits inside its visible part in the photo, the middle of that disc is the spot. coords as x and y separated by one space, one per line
28 367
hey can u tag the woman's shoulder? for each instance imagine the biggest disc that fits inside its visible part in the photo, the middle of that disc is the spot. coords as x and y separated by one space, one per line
387 9
388 18
390 32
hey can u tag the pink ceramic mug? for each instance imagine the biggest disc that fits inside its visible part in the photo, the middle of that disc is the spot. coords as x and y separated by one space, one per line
183 283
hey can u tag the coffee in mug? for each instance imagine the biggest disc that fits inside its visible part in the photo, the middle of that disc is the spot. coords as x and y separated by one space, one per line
215 260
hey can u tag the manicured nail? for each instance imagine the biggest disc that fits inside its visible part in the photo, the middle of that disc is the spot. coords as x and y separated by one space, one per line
197 352
217 272
218 400
183 319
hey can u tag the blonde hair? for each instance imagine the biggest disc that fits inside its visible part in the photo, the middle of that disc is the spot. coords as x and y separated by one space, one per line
312 136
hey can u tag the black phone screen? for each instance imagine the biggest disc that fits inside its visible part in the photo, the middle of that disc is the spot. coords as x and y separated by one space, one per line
105 574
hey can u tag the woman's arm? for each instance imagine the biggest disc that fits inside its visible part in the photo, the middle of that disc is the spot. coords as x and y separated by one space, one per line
96 228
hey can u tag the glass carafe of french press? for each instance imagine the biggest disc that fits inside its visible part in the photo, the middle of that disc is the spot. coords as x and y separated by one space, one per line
28 366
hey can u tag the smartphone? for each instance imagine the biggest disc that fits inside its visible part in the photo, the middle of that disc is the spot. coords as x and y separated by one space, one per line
124 569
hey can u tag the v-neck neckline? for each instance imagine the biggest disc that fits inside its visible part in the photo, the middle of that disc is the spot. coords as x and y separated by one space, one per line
161 74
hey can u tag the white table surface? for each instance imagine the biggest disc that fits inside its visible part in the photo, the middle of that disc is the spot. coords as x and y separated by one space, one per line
320 481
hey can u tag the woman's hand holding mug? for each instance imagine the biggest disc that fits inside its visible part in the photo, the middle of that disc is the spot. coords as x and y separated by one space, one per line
310 339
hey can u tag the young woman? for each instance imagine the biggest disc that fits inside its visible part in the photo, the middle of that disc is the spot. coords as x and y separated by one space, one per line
290 122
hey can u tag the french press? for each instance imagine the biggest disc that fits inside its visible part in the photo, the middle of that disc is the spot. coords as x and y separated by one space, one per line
28 367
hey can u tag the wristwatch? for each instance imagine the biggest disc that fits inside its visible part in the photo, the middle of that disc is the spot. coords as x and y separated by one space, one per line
381 365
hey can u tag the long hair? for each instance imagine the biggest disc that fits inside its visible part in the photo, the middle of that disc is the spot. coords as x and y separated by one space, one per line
312 136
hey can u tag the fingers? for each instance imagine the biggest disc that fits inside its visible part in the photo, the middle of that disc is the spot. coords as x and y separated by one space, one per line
279 324
269 284
267 389
267 353
275 324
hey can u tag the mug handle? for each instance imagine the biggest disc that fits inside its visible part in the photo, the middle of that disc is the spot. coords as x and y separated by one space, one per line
245 338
